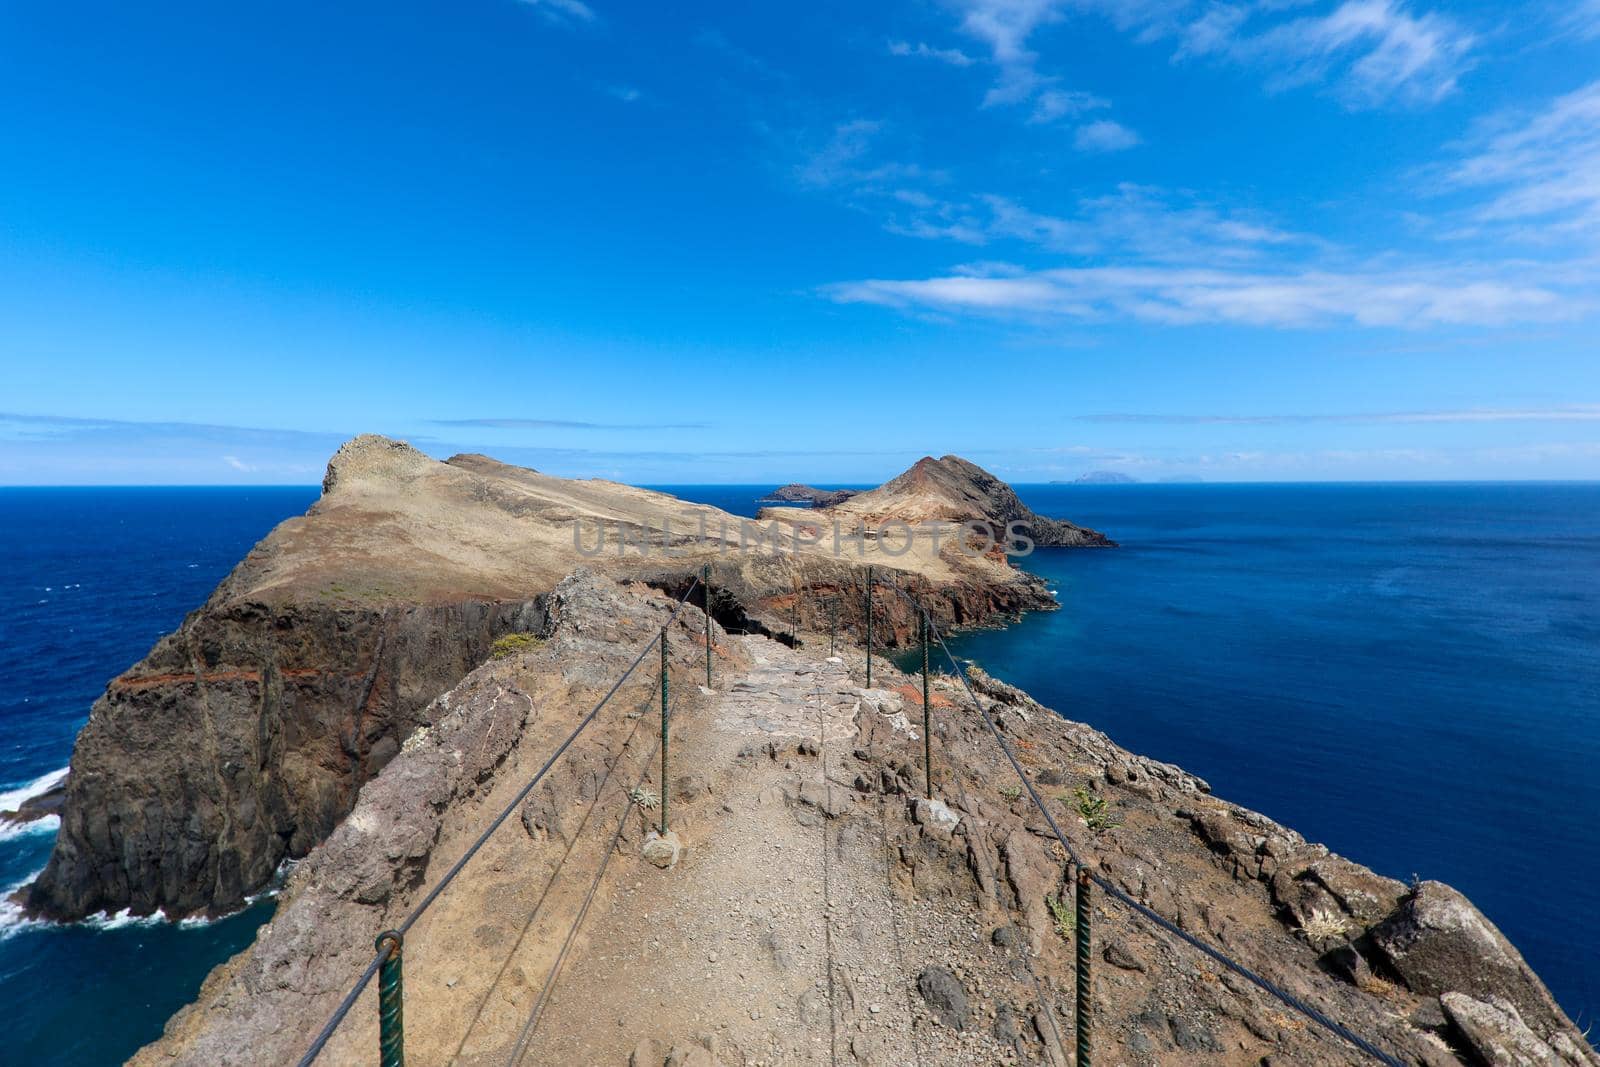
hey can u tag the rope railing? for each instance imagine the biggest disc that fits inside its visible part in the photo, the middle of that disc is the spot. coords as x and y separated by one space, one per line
1087 876
389 946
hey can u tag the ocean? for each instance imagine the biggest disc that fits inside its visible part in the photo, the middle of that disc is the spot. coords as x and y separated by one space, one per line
1408 673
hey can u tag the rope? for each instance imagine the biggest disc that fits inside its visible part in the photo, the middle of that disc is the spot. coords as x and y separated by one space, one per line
416 913
1115 892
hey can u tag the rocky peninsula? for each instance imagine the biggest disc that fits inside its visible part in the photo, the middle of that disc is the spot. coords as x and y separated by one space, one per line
343 699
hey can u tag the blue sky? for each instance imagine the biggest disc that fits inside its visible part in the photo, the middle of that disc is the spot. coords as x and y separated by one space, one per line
1262 240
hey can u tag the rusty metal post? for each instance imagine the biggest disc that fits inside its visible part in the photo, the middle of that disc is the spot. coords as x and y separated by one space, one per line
664 788
391 1002
1085 1009
705 582
927 715
869 627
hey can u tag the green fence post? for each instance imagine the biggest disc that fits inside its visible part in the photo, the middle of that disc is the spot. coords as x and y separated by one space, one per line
927 715
391 1002
833 627
1085 1011
705 581
664 788
869 627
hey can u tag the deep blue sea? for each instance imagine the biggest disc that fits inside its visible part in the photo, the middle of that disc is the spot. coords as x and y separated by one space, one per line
1408 673
89 579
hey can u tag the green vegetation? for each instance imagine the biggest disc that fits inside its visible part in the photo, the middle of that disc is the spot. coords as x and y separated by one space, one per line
1095 810
645 798
1011 792
512 644
1061 913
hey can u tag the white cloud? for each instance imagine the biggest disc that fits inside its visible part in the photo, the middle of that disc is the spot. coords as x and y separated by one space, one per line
843 159
564 12
1104 136
1052 104
1183 296
1541 169
1374 49
953 56
1572 413
237 464
1585 19
1134 221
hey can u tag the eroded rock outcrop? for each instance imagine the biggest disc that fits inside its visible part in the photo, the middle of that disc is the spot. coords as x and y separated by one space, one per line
956 490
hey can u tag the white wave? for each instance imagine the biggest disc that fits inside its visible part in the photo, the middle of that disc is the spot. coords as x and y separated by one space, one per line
12 799
14 920
101 920
10 831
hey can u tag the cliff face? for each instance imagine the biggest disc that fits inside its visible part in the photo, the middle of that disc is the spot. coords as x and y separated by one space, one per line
242 739
953 489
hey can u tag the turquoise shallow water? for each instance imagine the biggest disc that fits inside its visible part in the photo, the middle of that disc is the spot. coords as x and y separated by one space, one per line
1410 674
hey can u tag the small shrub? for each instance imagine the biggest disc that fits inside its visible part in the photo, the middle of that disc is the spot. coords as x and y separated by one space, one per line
1094 810
645 798
1062 916
512 644
1011 792
1324 925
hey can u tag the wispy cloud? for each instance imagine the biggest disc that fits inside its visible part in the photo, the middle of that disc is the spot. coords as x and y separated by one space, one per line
1004 28
564 12
1541 167
1182 296
1572 413
1584 19
1372 52
566 424
845 159
953 56
1134 221
1104 136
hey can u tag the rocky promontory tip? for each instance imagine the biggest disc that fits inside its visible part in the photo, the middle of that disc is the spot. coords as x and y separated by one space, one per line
956 490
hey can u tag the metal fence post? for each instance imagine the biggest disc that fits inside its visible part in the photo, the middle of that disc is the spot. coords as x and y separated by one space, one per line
391 1002
927 715
833 627
1085 1011
869 627
705 581
664 788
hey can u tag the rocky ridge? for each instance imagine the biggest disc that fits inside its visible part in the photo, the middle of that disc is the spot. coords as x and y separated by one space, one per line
822 911
242 739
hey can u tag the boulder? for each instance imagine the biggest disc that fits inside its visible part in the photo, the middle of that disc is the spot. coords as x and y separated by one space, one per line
663 850
945 996
1437 942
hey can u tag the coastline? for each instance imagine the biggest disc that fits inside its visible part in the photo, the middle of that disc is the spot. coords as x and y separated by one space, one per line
776 615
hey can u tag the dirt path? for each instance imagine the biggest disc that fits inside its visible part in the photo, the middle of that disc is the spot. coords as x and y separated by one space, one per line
774 939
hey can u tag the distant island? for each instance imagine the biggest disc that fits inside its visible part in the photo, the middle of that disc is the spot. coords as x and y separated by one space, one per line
1100 478
795 493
